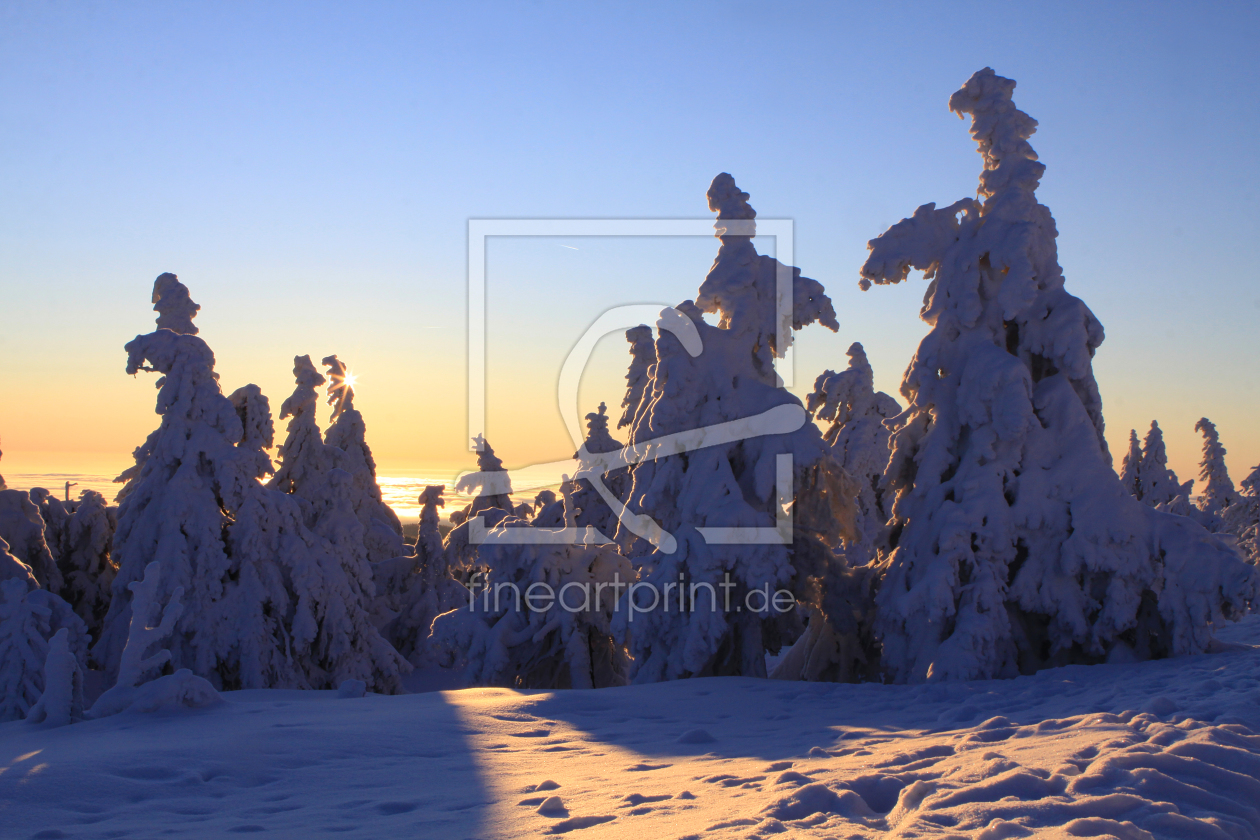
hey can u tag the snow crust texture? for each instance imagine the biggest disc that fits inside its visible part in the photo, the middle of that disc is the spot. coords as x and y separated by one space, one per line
1147 750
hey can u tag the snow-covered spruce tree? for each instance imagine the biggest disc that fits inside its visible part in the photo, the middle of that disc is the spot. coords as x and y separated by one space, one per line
267 602
413 590
348 433
22 528
1016 546
1242 518
1218 489
639 375
29 618
304 459
490 484
731 484
1158 484
55 514
1130 466
86 564
589 506
859 442
509 634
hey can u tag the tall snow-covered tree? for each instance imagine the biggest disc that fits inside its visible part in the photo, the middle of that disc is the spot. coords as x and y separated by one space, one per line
1130 466
1218 489
1157 483
348 433
490 484
859 441
1015 544
86 564
267 603
415 589
589 506
728 485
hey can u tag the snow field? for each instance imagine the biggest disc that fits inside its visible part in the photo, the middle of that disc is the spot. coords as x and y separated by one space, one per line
1155 749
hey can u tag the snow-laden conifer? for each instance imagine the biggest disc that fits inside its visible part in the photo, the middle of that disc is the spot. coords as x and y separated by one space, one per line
11 568
511 630
347 433
1218 489
267 602
1242 519
1157 483
727 485
415 589
490 484
1130 466
859 440
86 564
22 528
1016 545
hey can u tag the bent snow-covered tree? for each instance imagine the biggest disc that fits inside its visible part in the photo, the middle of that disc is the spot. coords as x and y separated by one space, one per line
696 477
1015 544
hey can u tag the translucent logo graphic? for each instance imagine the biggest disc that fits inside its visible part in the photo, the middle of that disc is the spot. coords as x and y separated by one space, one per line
593 466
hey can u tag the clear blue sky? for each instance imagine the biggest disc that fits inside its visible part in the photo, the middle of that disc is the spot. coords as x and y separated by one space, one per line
308 170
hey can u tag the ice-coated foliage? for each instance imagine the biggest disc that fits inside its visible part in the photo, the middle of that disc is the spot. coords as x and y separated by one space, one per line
22 528
1218 488
61 702
86 564
1015 544
412 590
382 532
859 441
138 688
1157 484
727 485
29 618
267 601
505 633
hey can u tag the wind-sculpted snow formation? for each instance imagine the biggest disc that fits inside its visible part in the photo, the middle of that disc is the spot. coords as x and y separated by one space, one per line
1016 546
267 602
29 619
724 374
138 688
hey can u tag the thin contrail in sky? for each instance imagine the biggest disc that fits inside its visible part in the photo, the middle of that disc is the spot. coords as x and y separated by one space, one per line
570 247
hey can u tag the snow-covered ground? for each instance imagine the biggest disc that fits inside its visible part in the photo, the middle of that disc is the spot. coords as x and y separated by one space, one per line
1165 749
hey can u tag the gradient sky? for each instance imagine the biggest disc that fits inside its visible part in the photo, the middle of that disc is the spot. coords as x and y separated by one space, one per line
308 170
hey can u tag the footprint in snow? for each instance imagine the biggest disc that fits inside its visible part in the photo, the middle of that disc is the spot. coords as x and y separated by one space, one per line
696 736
